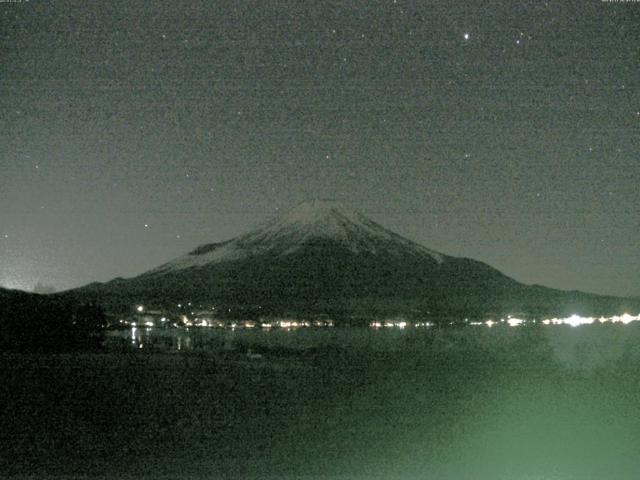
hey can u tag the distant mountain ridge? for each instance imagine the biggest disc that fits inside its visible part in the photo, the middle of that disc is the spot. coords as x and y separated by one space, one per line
323 258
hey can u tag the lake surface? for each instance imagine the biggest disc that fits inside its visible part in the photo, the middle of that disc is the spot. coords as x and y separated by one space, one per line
585 346
481 403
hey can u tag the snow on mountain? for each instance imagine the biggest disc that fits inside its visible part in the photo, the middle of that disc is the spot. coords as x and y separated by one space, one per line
308 222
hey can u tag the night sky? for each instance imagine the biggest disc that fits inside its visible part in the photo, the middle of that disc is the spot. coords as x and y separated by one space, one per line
505 131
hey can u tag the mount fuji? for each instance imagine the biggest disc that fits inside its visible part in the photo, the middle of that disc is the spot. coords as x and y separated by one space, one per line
322 258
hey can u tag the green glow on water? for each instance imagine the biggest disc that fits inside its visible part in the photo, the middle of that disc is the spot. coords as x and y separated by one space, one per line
513 403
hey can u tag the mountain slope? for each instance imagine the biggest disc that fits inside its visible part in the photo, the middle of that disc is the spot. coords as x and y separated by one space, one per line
309 223
323 258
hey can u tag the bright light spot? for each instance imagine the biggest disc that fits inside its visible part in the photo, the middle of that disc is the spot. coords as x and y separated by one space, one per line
149 324
490 323
576 320
140 308
466 36
424 324
626 318
514 322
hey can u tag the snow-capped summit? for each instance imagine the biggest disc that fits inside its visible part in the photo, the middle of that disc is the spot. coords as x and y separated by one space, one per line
316 218
309 222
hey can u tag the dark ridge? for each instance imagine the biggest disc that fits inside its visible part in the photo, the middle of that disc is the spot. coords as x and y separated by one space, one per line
202 249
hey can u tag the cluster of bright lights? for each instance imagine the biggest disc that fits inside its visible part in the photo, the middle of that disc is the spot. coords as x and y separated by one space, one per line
397 324
292 324
287 324
207 322
577 320
424 324
573 320
515 322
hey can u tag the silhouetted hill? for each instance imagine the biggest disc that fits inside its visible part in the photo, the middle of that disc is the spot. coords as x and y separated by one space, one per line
33 322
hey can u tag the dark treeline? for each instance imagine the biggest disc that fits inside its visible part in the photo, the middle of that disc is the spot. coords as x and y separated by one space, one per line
43 323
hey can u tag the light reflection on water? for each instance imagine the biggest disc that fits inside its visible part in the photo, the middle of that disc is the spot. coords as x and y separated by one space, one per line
214 339
584 347
152 339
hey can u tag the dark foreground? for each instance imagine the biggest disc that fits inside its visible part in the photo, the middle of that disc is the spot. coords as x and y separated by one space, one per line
441 406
